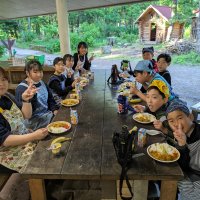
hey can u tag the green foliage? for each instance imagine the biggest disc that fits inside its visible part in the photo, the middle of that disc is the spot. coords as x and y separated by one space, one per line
28 36
189 58
187 32
50 31
2 50
92 26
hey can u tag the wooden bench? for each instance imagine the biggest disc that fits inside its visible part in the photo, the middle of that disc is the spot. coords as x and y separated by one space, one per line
3 180
17 74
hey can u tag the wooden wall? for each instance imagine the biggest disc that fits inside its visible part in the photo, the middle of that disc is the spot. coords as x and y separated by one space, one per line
145 27
177 31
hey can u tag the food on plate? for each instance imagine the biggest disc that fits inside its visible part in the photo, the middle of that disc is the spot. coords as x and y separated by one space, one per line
73 96
163 152
69 102
126 85
59 127
143 117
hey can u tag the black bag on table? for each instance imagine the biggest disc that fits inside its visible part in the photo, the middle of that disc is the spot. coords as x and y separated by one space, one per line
114 77
123 143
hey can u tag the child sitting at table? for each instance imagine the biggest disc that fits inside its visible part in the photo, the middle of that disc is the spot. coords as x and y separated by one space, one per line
145 75
147 54
68 61
187 134
157 102
43 104
81 61
163 61
58 83
15 138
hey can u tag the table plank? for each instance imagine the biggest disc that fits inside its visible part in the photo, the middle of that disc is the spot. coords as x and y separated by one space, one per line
84 157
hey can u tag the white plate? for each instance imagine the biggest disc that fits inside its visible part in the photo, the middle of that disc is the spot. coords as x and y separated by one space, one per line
58 130
164 145
150 116
153 132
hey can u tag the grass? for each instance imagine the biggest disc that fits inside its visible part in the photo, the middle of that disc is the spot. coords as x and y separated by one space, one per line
191 58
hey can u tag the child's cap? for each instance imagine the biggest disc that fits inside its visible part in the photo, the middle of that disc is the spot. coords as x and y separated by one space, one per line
161 86
177 104
148 49
57 60
144 65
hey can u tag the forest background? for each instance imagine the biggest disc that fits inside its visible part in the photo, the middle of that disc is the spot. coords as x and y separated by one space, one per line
93 26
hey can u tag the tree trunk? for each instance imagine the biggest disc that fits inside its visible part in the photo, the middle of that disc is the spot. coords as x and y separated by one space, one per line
29 24
198 33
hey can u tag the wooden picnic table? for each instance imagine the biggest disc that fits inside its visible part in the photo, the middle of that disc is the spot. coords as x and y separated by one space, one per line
90 155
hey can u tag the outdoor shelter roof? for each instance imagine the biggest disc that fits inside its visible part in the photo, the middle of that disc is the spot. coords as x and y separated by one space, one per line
11 9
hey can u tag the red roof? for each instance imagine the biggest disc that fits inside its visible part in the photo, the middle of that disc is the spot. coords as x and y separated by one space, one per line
164 10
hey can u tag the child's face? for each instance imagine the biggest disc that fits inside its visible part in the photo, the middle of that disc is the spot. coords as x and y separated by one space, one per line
141 77
82 50
35 75
59 67
178 117
147 56
162 64
69 62
155 100
3 85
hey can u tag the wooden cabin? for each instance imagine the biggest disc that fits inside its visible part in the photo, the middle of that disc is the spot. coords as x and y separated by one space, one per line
154 25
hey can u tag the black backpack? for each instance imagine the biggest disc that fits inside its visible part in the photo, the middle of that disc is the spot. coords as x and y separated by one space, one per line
114 78
123 143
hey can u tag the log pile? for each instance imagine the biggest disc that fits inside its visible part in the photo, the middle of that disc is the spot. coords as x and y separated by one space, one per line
180 47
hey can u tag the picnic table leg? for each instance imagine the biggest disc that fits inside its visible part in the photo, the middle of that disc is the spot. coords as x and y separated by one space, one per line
168 190
140 189
37 189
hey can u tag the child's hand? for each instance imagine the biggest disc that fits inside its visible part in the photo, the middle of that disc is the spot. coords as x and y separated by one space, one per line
29 92
69 74
55 112
74 83
78 67
133 90
158 125
179 135
139 108
40 133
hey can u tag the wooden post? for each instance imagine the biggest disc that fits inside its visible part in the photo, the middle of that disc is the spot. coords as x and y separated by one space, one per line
37 189
63 26
168 190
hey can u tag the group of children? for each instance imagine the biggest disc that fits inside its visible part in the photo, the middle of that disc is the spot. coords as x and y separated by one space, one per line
173 117
24 118
37 103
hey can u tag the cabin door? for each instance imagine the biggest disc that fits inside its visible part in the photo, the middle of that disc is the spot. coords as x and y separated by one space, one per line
153 32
